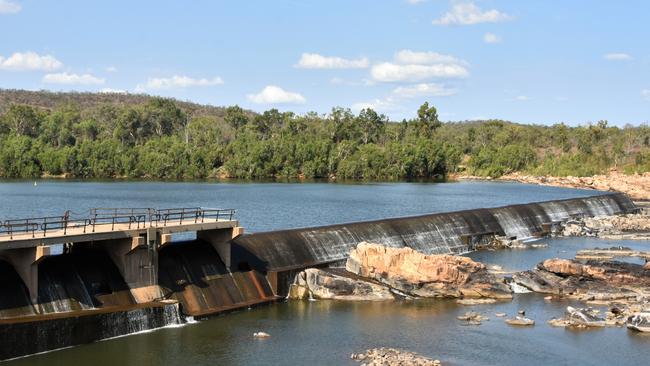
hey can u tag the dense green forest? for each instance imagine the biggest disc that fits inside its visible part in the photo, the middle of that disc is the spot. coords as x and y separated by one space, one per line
95 135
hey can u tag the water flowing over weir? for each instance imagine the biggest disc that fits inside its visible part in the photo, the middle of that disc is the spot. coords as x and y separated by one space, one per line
281 253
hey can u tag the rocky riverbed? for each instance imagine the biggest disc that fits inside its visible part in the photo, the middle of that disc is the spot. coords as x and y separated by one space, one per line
637 186
623 287
630 226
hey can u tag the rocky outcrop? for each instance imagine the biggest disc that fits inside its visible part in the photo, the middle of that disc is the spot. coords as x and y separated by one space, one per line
393 357
636 186
420 275
327 284
631 226
593 280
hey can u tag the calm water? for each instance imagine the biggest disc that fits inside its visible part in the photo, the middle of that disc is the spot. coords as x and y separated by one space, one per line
325 332
269 206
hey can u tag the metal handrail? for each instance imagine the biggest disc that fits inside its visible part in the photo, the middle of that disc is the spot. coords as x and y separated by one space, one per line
138 217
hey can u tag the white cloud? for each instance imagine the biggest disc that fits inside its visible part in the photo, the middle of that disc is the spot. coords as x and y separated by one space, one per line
72 79
423 90
178 82
9 7
415 1
111 69
645 93
272 94
25 61
491 38
425 58
469 13
316 61
113 91
390 72
618 56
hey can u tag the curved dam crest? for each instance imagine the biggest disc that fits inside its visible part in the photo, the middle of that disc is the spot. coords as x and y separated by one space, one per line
440 233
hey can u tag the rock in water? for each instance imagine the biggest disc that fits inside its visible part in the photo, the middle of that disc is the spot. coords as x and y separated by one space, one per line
420 275
520 321
391 356
335 284
639 322
583 318
261 335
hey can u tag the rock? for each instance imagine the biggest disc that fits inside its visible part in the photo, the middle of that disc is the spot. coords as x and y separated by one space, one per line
261 335
336 285
520 321
639 322
420 275
472 316
393 357
583 318
475 301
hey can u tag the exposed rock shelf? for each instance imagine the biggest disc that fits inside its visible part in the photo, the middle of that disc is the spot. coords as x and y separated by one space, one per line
376 272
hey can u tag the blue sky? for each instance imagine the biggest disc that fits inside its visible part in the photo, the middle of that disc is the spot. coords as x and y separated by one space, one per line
574 61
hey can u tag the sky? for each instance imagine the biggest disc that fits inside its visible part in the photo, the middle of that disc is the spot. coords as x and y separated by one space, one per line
544 62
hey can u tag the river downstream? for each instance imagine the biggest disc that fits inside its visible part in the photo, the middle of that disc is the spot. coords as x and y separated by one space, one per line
325 332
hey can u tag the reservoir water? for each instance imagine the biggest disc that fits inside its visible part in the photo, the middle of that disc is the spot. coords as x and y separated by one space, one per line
324 332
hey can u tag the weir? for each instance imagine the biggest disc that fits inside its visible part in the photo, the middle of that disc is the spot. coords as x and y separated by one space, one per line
281 254
120 272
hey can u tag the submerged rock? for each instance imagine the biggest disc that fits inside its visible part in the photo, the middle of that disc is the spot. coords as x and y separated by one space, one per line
332 284
470 302
420 275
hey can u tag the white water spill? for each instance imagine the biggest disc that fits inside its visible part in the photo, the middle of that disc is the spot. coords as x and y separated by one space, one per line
518 289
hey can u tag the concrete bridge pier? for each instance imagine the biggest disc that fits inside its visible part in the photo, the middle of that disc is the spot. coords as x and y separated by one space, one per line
137 260
220 240
25 262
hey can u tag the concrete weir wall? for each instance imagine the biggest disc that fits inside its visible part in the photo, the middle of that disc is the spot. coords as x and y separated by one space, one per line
280 253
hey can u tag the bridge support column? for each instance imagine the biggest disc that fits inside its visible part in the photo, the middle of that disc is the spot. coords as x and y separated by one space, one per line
137 260
220 240
25 262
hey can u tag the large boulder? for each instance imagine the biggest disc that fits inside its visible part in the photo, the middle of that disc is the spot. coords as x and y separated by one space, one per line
327 284
421 275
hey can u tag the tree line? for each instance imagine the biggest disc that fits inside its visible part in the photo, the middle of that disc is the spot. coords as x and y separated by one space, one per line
161 138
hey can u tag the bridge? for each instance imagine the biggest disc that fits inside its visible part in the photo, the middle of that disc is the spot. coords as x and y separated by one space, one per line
130 236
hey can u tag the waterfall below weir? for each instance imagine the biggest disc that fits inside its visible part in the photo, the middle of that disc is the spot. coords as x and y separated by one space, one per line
443 233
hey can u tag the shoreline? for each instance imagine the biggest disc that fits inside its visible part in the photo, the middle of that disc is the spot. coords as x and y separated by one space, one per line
636 186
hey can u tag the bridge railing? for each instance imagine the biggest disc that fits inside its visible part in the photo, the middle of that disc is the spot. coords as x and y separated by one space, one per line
190 215
117 218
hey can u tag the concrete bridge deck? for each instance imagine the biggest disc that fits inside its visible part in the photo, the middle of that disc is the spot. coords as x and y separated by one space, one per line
110 224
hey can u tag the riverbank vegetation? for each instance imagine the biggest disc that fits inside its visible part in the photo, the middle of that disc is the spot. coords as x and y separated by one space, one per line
87 135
